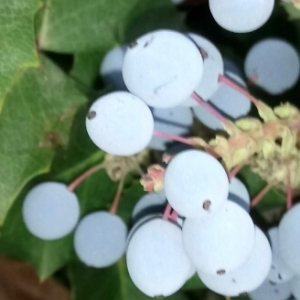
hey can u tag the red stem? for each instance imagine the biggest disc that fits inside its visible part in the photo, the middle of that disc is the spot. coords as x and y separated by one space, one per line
115 204
209 108
260 195
239 89
253 79
167 212
173 137
85 175
174 216
166 158
235 170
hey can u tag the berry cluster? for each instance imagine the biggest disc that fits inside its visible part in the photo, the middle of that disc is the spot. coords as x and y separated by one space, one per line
197 221
51 210
217 238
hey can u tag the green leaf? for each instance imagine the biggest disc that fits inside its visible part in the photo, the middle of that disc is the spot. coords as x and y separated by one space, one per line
145 19
291 10
80 153
17 43
86 67
194 283
111 283
254 184
35 121
210 295
132 192
100 24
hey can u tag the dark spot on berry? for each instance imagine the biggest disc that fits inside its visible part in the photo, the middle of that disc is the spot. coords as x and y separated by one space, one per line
272 282
91 115
221 272
272 267
276 291
206 204
279 277
133 44
233 280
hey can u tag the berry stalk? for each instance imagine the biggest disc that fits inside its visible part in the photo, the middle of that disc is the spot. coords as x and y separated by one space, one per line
173 137
115 204
167 212
260 195
209 108
235 170
174 216
85 175
239 89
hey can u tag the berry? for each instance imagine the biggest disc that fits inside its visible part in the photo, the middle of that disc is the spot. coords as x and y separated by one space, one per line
50 210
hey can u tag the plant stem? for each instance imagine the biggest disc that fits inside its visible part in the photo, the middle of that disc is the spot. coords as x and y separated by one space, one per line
235 170
173 137
239 89
167 212
85 175
115 204
209 108
260 195
253 79
174 216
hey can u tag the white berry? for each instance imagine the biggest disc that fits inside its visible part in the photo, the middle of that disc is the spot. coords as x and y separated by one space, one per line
163 68
100 239
50 210
120 124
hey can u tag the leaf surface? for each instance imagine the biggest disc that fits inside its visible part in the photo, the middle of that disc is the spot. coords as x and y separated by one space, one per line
100 24
35 122
17 41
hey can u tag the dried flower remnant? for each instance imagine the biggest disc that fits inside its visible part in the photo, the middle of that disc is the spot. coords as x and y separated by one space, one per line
269 146
118 166
153 180
296 3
